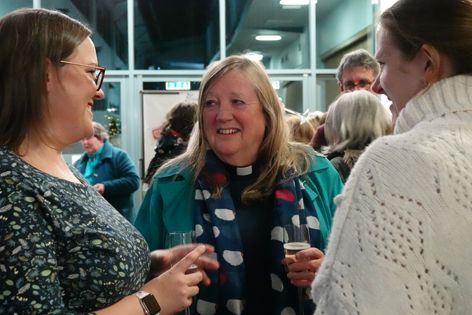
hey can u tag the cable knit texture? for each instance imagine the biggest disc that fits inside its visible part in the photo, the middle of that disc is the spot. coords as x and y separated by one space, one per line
400 242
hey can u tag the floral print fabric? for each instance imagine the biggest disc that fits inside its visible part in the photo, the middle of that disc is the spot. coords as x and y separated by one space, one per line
63 248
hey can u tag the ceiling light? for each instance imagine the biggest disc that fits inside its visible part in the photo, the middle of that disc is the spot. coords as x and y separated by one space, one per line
255 57
268 37
294 2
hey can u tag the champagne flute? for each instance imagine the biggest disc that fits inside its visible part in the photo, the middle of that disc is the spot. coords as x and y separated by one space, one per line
296 238
184 239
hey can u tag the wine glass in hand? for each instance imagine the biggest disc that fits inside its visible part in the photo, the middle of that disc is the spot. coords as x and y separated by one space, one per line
181 243
296 238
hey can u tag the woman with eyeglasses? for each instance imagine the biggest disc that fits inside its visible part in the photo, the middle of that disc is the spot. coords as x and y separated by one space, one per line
400 242
63 248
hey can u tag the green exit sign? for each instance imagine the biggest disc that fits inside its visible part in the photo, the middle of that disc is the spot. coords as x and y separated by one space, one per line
177 85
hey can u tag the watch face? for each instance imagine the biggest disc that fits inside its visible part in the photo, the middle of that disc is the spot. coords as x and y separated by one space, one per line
151 304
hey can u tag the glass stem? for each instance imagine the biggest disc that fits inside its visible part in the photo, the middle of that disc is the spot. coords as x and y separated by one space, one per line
301 301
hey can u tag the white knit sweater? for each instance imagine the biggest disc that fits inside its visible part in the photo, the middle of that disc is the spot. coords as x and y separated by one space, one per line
401 241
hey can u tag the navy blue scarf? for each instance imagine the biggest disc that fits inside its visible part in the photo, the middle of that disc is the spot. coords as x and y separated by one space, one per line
216 224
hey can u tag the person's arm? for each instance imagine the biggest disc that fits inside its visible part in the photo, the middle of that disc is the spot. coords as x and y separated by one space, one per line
377 256
340 265
149 220
161 260
173 289
34 278
29 279
168 206
127 181
325 181
326 184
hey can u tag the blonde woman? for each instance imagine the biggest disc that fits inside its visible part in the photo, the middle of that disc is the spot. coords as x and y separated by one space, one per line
238 183
299 132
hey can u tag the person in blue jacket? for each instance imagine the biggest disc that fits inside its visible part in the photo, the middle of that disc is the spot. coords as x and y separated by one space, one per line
110 171
239 182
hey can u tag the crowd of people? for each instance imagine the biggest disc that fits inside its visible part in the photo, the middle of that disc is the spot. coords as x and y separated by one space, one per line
235 168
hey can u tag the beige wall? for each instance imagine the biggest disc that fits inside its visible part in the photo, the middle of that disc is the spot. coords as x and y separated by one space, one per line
332 59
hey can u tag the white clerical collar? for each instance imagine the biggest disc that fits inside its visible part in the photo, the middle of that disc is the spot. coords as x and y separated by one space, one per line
244 171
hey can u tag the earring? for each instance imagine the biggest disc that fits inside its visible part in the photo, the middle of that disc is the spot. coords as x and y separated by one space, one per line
423 85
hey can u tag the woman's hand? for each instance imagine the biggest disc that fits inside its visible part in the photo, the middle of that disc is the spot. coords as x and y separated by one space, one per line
303 268
100 188
174 288
161 260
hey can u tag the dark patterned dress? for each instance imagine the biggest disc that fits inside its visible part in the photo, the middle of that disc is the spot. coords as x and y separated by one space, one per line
63 248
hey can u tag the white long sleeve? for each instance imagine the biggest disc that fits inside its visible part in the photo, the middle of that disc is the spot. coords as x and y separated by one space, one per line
400 242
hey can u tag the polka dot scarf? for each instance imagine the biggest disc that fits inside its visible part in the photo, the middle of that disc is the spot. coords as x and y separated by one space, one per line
216 224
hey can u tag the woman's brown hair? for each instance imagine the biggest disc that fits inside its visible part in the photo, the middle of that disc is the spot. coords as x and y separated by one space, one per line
30 37
445 25
300 132
181 119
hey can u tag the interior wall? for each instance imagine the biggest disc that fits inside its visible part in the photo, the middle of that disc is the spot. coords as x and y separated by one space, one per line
341 24
294 96
296 55
332 61
8 6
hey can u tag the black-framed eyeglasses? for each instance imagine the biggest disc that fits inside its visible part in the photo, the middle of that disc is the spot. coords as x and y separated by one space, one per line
99 72
363 84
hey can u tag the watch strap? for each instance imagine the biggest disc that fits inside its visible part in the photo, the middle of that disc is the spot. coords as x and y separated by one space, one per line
148 302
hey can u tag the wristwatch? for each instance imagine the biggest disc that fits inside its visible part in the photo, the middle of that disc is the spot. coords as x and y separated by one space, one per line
148 302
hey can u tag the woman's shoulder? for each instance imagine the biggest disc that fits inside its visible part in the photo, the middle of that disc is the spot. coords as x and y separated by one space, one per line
317 161
182 170
320 168
115 152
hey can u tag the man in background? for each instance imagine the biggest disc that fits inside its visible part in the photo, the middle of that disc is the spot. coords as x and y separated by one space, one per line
357 70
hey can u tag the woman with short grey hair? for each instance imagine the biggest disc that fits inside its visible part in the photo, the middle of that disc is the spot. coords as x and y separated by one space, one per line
100 132
353 122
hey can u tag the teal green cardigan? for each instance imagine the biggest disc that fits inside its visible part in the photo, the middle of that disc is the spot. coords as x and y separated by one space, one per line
170 202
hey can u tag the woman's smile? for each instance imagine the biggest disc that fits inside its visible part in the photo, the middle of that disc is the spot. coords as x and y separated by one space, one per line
227 131
233 120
